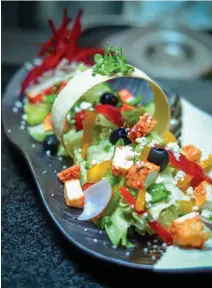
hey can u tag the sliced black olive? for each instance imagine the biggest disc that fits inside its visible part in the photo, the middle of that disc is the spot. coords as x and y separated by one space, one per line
159 157
51 144
109 98
120 133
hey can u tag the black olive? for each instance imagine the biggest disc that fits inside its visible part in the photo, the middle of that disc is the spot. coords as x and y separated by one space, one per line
120 133
109 98
159 157
51 144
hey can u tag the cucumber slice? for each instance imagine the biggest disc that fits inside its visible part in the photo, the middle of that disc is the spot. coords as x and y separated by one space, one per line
132 117
96 92
37 132
150 108
102 121
73 139
61 151
36 112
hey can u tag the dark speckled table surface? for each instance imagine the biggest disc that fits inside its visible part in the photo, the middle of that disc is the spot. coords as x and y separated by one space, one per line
34 253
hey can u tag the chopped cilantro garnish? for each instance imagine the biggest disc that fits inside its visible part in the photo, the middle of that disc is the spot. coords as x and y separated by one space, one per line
112 62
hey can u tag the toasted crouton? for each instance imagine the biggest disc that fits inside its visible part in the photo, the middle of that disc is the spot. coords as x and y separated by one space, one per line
188 231
145 124
192 153
72 172
73 194
142 173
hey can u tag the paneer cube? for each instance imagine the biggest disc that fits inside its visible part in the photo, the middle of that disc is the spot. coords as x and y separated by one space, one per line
203 195
72 172
192 153
188 231
145 124
122 160
142 173
73 193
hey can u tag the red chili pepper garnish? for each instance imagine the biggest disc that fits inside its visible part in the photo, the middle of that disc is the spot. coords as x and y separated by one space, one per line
38 98
161 232
84 53
189 167
62 44
127 196
79 118
86 186
61 86
112 113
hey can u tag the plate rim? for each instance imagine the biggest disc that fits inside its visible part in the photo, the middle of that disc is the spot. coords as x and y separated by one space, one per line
88 251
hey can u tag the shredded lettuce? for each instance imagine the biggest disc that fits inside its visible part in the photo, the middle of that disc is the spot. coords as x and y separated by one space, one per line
118 227
132 117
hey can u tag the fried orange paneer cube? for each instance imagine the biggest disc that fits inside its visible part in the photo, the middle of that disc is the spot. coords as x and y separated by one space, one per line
72 172
142 173
145 124
192 153
188 231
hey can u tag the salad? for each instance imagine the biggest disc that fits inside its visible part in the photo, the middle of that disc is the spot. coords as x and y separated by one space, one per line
129 171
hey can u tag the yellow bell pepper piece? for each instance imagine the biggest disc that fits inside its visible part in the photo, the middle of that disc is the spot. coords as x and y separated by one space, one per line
90 117
97 172
145 153
207 163
186 206
169 137
140 200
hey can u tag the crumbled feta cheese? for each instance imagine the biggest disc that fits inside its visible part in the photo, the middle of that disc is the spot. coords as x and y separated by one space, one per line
18 104
9 131
85 229
95 240
93 162
24 116
22 127
195 208
145 214
60 158
142 141
153 143
77 109
33 145
159 179
127 253
173 122
48 153
123 157
179 176
15 109
64 166
190 191
164 245
207 213
145 250
187 216
148 198
153 258
44 172
85 105
175 149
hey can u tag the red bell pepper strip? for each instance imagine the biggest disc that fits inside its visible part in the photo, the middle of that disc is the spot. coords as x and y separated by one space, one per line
86 186
127 196
111 113
84 53
189 167
161 232
79 119
61 86
158 229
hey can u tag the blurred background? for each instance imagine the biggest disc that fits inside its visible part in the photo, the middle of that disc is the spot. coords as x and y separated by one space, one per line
167 39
